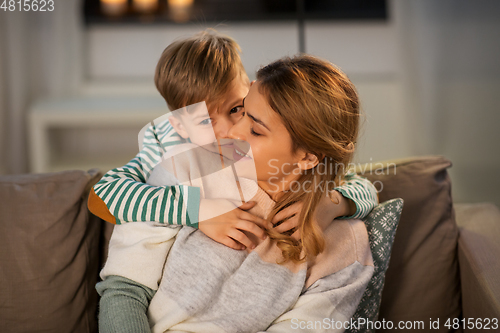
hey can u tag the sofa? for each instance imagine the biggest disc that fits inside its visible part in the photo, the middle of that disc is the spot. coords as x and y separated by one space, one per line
444 266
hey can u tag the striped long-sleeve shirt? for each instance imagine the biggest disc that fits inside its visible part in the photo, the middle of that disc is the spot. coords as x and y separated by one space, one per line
129 199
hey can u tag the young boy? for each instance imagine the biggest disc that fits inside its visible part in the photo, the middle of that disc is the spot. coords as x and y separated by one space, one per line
215 169
205 67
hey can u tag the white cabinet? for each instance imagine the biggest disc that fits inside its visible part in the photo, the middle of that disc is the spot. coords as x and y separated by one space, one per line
54 124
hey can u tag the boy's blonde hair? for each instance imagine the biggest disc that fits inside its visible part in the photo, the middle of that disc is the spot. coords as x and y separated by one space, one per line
198 68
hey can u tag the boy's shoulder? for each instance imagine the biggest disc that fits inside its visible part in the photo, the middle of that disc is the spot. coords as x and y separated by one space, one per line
189 154
159 131
162 128
181 151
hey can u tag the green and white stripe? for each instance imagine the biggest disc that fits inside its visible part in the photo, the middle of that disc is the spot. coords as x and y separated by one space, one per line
130 199
362 192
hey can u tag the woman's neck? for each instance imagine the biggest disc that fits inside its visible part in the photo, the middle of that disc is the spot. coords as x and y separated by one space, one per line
276 188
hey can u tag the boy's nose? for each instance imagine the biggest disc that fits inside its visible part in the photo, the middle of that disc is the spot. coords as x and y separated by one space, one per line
236 132
222 128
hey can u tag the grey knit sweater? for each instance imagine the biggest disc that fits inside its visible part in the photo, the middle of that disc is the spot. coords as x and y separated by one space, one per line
208 287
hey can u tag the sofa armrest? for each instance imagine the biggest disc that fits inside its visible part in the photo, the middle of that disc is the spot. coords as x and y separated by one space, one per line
479 259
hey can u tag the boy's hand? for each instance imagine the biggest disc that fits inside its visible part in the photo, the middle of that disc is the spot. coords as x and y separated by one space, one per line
326 212
228 228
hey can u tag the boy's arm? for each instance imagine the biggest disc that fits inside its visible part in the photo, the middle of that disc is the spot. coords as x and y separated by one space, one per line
356 198
122 195
361 192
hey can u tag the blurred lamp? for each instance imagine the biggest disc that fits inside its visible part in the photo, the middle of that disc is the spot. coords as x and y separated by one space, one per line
113 7
180 9
145 6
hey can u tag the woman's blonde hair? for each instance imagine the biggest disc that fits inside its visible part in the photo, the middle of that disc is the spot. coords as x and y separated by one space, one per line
319 107
198 68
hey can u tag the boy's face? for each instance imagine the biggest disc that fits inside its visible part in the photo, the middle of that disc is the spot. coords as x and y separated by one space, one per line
208 129
229 112
195 124
230 109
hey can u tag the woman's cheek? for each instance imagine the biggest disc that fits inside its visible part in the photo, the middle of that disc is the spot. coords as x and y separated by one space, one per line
263 172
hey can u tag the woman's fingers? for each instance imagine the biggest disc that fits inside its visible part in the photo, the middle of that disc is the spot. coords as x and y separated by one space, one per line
287 225
252 228
296 235
240 237
288 212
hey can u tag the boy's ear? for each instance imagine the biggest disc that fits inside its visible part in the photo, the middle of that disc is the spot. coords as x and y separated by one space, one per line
251 83
308 161
178 127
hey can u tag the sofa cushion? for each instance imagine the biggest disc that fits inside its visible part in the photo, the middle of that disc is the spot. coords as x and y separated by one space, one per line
49 253
478 251
381 225
422 280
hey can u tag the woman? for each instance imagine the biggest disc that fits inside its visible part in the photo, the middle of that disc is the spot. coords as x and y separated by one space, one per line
301 121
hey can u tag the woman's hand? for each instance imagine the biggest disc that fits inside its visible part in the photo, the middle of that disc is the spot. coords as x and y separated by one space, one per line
229 228
330 207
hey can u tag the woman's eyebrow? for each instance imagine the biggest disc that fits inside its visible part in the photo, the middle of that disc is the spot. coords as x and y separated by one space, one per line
258 121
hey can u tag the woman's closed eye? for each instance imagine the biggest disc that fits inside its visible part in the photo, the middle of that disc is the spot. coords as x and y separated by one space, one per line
254 133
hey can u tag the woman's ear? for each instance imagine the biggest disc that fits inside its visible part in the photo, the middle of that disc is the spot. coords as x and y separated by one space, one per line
178 127
308 161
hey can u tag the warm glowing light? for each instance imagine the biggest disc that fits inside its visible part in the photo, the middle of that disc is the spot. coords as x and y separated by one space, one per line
180 9
145 6
180 3
114 7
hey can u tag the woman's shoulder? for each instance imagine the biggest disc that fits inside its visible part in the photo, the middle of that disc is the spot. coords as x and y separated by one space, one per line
346 243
